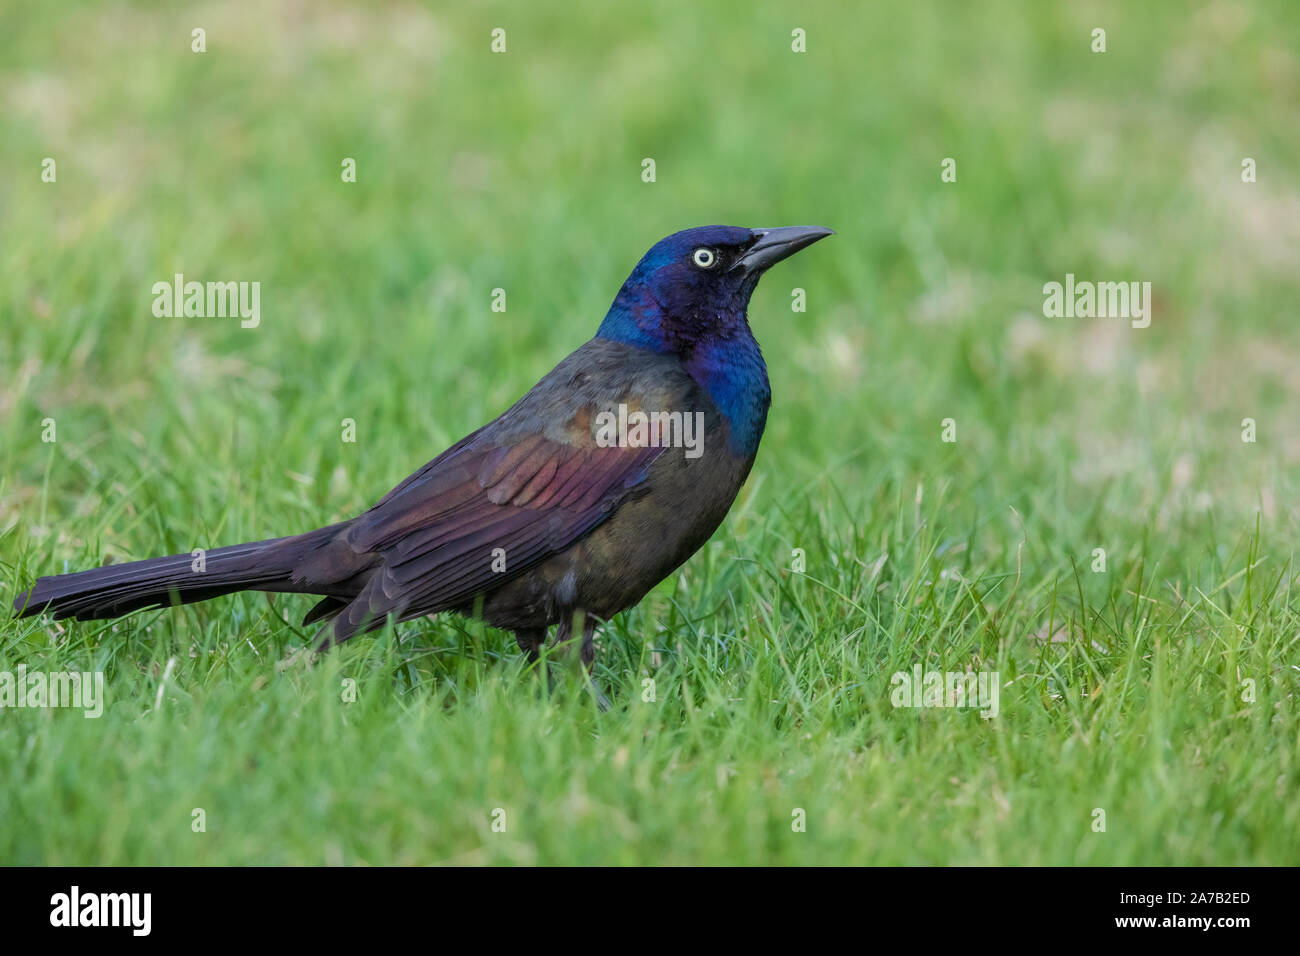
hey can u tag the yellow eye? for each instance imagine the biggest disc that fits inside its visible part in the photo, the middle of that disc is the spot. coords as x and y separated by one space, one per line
704 258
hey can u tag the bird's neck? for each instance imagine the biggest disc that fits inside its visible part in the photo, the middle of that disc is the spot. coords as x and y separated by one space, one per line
726 362
732 371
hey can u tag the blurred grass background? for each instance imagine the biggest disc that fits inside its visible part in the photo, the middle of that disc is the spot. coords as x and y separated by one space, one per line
523 171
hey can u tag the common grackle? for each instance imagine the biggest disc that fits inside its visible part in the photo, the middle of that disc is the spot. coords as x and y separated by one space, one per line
591 489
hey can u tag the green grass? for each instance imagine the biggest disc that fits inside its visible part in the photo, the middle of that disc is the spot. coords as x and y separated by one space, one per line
1120 690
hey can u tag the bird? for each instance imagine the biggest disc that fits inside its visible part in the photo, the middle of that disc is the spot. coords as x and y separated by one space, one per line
564 511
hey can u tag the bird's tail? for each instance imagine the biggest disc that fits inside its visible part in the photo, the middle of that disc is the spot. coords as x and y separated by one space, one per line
276 564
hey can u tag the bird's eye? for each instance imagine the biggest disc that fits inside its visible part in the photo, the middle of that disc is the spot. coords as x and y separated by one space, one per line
704 258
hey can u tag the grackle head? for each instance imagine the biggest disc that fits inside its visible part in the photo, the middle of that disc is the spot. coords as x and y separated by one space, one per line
695 284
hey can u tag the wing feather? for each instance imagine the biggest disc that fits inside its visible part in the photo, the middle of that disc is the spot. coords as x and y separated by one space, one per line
532 483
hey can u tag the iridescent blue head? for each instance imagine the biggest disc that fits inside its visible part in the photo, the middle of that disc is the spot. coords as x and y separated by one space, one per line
694 286
688 296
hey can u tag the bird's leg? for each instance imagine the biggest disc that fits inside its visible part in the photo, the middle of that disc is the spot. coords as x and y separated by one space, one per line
589 660
587 650
530 641
563 631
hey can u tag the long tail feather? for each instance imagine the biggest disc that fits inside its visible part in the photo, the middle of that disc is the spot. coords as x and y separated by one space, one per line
117 589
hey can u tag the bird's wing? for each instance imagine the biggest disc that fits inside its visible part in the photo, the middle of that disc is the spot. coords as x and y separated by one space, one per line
530 484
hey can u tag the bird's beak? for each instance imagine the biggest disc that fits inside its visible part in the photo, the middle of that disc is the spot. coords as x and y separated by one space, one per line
773 245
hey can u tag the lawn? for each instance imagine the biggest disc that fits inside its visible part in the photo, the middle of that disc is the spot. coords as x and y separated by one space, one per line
1105 531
